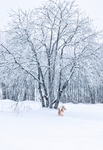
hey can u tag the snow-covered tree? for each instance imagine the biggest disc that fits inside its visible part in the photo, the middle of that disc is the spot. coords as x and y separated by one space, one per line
49 44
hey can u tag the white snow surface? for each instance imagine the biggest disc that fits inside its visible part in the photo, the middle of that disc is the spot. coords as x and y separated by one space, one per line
28 126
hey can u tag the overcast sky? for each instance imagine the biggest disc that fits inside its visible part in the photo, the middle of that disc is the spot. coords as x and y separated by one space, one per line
93 8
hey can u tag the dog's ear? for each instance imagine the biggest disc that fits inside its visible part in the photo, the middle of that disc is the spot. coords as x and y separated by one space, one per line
64 108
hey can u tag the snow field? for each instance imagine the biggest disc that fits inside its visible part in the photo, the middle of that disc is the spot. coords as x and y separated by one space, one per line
36 128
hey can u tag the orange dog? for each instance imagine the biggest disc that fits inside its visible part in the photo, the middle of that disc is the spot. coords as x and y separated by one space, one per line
61 111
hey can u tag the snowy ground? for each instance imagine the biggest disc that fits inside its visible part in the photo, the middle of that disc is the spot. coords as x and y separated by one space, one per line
30 127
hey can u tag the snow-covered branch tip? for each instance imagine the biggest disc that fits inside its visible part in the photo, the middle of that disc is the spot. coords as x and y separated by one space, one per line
20 64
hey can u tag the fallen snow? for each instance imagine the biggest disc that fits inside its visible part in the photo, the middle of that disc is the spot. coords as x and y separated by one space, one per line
27 126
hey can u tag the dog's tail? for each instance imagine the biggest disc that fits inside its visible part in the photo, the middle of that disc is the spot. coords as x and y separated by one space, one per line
59 112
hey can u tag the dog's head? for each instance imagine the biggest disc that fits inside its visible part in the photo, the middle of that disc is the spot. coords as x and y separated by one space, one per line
63 108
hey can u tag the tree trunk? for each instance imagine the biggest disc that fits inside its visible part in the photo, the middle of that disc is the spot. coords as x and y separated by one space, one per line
3 86
40 90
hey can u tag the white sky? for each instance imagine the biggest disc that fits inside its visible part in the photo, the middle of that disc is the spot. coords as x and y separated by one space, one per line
93 8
